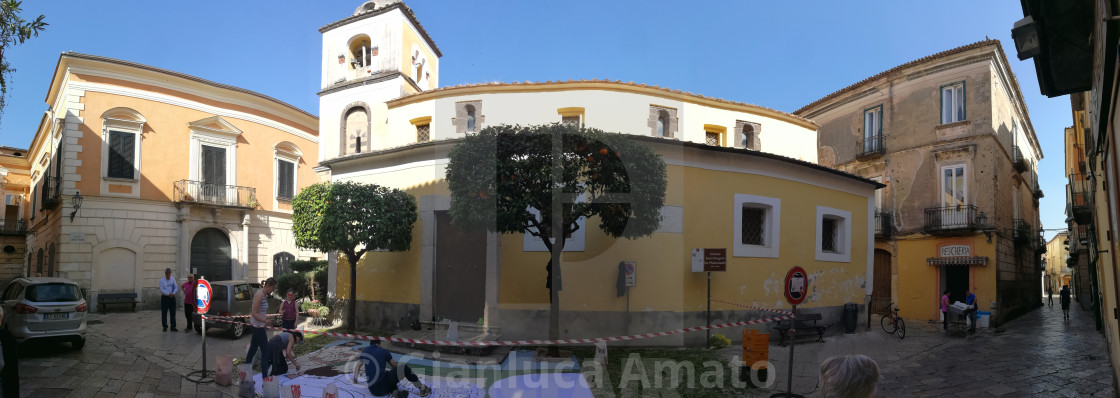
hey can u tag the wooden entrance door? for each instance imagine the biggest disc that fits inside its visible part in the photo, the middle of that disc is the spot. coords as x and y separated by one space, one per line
881 295
210 255
460 282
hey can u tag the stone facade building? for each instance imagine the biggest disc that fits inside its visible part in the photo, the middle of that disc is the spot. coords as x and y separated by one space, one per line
950 136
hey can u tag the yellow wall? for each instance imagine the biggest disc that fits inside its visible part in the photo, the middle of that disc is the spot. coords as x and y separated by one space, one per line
409 37
919 284
166 141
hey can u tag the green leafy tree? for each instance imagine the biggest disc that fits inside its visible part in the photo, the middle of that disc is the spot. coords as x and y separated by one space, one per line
353 218
14 30
568 173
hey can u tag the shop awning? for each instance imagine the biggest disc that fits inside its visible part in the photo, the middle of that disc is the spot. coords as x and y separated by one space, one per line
957 261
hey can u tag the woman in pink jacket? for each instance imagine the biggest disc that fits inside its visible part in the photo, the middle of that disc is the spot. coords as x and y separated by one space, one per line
945 310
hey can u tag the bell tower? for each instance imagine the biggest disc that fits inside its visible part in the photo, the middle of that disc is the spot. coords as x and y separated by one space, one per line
379 53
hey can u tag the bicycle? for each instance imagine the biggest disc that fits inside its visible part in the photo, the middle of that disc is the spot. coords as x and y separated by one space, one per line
892 323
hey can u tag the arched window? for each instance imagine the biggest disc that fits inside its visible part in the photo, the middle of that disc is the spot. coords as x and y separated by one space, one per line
748 137
470 119
361 52
355 130
662 123
51 266
39 263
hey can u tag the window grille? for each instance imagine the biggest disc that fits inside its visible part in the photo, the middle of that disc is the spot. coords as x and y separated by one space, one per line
422 133
753 221
572 120
712 138
828 238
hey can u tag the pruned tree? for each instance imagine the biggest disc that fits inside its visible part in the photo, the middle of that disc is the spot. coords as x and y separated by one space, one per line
353 218
14 30
499 175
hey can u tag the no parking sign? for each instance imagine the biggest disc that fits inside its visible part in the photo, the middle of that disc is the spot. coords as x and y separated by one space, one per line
797 284
202 296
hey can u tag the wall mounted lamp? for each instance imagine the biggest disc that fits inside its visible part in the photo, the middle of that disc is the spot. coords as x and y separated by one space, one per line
77 201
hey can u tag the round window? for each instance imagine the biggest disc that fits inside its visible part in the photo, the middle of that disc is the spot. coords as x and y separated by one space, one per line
9 249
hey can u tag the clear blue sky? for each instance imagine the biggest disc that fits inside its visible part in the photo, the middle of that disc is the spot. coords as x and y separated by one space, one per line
779 54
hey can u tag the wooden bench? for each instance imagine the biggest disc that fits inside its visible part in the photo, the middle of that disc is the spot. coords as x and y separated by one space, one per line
116 298
803 324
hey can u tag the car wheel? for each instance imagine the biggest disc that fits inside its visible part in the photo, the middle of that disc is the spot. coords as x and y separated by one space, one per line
237 330
78 343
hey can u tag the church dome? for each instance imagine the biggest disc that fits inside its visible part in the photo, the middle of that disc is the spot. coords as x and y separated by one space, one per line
373 5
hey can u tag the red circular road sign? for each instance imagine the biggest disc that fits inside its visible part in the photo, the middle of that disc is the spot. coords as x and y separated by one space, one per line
202 296
797 284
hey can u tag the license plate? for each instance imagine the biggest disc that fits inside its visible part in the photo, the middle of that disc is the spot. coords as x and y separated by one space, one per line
56 316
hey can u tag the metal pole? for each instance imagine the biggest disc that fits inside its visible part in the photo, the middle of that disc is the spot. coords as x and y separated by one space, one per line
202 317
792 342
708 332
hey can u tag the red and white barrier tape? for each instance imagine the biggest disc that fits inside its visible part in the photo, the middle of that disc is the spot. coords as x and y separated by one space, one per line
236 316
753 307
518 342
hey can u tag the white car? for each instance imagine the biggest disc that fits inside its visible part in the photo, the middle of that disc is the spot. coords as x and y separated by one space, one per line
45 309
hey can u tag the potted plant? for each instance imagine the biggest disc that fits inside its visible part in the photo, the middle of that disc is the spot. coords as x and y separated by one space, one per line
253 203
188 198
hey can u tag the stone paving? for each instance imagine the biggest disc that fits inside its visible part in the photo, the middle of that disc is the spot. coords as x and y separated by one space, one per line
1039 354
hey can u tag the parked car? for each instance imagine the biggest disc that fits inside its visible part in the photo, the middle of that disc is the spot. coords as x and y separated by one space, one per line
45 309
231 298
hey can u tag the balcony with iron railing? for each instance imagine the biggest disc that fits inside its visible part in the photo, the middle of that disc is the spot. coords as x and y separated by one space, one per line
1017 159
202 193
884 227
870 147
1040 244
1078 240
953 219
1080 198
1022 232
52 192
13 227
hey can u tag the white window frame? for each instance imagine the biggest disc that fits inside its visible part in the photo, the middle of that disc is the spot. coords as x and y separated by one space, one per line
941 183
843 219
577 242
294 160
221 138
771 226
955 100
126 126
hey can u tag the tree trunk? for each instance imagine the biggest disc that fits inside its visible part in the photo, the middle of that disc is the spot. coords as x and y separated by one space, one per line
352 303
557 232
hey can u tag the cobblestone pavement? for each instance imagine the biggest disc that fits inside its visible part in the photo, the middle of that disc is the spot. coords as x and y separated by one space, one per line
126 354
1037 354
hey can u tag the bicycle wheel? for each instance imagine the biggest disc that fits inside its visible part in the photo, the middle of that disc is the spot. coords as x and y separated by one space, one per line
888 326
901 329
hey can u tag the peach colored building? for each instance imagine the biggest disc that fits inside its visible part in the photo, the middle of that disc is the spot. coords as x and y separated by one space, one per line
174 172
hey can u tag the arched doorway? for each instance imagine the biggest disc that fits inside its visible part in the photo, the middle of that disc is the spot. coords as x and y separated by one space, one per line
281 263
881 295
210 255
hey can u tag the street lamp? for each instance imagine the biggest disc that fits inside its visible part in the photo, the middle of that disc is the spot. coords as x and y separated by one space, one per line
1025 34
77 201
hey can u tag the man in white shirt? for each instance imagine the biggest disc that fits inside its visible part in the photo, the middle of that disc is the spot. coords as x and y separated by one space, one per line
167 289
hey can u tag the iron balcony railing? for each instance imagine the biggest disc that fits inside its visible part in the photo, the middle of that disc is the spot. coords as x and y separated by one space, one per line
952 218
1018 160
1023 233
188 191
1080 198
52 192
1078 239
870 146
16 226
883 224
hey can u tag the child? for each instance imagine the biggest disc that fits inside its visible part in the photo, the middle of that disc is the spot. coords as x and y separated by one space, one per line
288 311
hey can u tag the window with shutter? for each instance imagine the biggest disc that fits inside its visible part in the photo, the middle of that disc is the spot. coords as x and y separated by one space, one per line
285 173
122 155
